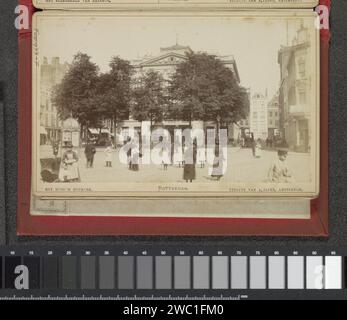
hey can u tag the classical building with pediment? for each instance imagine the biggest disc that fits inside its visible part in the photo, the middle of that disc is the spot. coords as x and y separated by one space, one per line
165 63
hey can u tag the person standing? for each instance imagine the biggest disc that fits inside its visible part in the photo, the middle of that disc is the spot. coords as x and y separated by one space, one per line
189 172
178 151
257 152
69 171
165 153
218 168
253 144
108 156
89 152
135 155
128 141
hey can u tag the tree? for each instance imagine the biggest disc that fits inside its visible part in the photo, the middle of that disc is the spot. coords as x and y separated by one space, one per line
203 88
76 96
149 100
114 91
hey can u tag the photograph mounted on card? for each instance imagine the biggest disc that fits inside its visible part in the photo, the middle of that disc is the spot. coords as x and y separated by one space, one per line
175 104
181 4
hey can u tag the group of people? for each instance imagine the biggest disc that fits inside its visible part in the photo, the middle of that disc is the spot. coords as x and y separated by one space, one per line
188 159
69 169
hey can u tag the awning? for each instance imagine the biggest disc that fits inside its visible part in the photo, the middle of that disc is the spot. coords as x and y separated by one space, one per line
105 131
93 131
43 130
97 131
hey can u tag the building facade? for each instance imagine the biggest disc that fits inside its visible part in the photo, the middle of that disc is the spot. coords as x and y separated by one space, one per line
165 63
259 116
51 75
295 90
273 116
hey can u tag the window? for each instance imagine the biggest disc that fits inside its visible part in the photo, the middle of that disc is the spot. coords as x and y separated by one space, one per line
270 114
255 114
302 68
125 133
302 97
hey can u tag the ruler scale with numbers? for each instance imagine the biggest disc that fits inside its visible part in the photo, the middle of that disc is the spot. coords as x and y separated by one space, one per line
156 273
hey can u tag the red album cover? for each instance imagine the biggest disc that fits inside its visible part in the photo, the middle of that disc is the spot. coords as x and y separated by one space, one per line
29 225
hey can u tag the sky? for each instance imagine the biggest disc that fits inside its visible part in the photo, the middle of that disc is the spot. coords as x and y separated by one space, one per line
254 42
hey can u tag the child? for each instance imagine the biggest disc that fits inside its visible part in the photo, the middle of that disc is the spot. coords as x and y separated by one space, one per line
279 171
108 156
257 152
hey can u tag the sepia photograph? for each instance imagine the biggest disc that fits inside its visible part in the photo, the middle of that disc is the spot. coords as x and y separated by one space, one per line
175 104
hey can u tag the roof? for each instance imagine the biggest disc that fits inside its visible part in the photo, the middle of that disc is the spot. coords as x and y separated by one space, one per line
176 47
71 123
161 59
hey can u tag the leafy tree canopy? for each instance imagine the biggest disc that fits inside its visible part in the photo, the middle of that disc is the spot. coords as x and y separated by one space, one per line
75 95
149 100
203 88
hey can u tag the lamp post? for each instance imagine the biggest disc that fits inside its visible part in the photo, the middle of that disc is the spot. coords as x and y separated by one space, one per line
218 124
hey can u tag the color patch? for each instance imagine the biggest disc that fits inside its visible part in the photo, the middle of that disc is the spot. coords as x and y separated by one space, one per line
107 272
88 272
201 272
258 272
34 267
163 272
182 277
220 272
69 273
144 273
126 272
239 271
276 272
50 273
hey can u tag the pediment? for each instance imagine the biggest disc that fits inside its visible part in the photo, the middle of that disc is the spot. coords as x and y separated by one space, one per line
165 59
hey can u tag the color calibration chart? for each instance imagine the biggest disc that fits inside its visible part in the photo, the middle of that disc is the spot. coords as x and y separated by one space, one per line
147 272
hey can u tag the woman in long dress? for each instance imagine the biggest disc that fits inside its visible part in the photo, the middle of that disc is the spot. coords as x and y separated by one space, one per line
69 171
189 172
135 156
218 165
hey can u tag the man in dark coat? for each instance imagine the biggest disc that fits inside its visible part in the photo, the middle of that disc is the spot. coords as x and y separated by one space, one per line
89 151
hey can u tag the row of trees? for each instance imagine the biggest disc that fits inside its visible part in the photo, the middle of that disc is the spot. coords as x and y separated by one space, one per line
201 88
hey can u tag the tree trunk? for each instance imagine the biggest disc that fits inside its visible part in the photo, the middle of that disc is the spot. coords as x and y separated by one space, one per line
217 138
115 131
81 131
